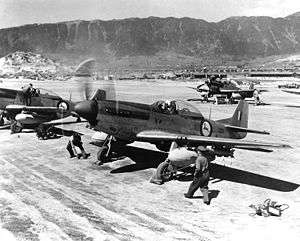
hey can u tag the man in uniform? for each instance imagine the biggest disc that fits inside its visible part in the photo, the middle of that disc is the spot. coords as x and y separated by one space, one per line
201 175
75 140
27 92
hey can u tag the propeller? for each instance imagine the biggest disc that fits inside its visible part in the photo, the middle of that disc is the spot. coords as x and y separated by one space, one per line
203 88
83 74
88 109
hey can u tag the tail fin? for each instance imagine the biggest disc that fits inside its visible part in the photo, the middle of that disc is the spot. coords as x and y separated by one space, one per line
237 125
240 115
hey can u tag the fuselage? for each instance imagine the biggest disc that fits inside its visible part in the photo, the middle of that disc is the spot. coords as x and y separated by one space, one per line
13 104
125 120
231 90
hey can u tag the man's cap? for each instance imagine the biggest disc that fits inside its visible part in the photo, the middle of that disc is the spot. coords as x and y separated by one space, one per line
202 148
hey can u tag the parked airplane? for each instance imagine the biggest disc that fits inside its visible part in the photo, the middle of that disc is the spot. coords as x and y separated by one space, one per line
44 105
292 91
215 87
165 122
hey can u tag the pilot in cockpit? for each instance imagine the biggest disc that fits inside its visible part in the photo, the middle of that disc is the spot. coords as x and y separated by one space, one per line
171 106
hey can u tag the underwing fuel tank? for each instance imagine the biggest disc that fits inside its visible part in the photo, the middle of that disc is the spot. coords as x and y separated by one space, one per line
28 119
180 157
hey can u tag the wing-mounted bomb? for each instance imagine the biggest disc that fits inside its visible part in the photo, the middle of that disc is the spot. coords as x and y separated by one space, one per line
223 151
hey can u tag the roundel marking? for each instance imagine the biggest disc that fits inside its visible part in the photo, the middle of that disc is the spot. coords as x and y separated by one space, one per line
206 128
63 105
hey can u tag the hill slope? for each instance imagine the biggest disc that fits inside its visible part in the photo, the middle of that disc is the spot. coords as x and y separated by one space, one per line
235 37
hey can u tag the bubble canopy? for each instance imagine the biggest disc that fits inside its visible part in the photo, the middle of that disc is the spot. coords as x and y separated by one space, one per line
176 107
46 92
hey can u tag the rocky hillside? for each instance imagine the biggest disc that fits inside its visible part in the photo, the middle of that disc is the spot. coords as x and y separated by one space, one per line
31 66
242 37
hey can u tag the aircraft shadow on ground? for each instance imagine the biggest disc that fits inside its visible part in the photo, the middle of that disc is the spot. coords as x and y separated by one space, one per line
62 132
145 159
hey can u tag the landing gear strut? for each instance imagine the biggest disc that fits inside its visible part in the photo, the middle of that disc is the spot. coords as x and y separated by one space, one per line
105 151
1 121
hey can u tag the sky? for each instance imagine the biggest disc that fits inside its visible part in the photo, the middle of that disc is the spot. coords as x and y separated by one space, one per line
20 12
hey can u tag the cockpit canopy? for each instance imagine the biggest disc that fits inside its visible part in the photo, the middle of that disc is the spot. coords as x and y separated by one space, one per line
176 107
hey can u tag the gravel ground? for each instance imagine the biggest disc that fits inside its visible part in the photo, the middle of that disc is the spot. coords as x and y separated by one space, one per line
46 196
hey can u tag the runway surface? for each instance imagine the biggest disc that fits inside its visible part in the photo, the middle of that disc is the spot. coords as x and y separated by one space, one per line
44 195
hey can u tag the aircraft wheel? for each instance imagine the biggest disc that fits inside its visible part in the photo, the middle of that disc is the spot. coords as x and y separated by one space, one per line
15 128
1 121
101 154
163 172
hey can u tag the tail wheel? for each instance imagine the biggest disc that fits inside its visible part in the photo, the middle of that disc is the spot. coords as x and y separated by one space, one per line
163 172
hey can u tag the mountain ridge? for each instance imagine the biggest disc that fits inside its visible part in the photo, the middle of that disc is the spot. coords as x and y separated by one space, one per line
232 38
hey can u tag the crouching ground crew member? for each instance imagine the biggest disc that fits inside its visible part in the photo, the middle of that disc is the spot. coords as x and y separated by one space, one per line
201 175
75 140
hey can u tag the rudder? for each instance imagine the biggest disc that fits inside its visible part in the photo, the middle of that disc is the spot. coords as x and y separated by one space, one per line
240 115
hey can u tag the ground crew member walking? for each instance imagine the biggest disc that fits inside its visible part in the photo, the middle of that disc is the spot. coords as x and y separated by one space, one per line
201 175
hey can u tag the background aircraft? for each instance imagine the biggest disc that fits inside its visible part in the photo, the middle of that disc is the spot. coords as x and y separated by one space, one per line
45 106
292 91
225 87
165 122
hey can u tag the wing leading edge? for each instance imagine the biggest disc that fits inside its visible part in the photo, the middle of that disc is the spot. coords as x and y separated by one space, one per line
154 135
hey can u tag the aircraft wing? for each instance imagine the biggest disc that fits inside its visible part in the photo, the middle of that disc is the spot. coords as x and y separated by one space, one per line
154 135
236 91
194 88
44 109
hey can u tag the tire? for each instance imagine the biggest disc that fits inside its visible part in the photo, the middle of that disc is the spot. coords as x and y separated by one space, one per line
15 128
1 121
163 172
101 154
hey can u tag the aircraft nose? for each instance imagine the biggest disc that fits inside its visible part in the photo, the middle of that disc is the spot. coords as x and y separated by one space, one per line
88 110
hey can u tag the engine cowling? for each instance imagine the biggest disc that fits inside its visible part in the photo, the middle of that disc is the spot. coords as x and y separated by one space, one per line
163 146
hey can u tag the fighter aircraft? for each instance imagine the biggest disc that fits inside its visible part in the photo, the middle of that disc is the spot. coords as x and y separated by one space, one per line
292 91
163 123
292 88
215 87
45 105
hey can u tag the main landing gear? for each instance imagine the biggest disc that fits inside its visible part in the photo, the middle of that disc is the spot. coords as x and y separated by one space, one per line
1 121
15 127
105 151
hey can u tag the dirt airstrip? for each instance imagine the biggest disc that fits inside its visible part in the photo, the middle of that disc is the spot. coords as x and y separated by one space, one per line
46 196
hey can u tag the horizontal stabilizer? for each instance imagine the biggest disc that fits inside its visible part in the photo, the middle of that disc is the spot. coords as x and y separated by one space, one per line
247 130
